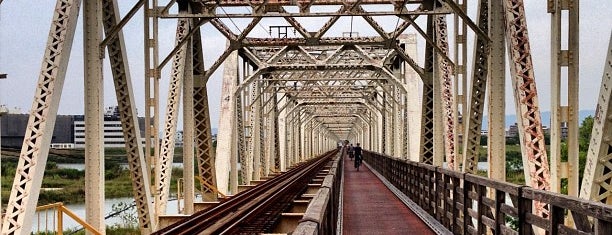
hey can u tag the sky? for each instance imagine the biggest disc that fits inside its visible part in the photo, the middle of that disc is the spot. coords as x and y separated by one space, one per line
24 29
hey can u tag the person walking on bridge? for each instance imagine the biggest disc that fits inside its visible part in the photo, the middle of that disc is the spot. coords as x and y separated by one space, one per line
358 156
351 151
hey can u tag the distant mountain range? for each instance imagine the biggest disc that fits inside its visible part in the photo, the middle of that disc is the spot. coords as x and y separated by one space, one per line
511 119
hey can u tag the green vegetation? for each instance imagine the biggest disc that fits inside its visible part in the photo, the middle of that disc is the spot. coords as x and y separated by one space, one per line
67 185
514 162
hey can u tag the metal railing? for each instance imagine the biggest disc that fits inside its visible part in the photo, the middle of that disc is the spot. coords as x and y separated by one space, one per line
321 216
470 204
57 211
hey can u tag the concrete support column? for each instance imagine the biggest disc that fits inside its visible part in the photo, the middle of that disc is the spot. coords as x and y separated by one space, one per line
94 111
188 132
496 90
282 136
226 152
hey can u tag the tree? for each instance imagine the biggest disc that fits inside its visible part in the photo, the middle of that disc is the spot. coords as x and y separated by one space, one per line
584 136
584 139
483 140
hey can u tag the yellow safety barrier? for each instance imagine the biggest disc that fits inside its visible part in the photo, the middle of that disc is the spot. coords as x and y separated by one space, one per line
59 209
210 186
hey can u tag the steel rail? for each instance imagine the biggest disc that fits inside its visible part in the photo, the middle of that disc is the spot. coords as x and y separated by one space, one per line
239 208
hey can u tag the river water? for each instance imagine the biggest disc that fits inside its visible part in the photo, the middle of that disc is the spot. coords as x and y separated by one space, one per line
79 209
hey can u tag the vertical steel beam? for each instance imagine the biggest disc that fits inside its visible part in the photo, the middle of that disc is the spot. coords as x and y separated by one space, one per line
554 7
243 156
163 168
188 131
283 135
297 136
33 157
564 114
460 82
203 136
409 43
274 134
473 118
447 108
94 115
496 93
152 77
257 132
290 137
393 126
226 150
405 128
261 138
383 124
537 174
597 180
426 154
573 79
137 165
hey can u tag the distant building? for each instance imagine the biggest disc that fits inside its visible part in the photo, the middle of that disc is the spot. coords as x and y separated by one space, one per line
564 130
112 111
69 130
14 128
113 132
546 130
178 139
513 130
62 146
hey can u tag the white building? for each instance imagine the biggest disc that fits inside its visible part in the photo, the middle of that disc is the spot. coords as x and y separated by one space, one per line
178 139
113 132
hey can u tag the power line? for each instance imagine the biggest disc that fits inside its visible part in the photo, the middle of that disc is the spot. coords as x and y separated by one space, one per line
262 27
231 20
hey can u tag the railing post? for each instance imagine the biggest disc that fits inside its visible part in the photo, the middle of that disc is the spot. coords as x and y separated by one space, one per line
500 197
524 207
455 212
557 217
603 227
466 204
440 195
60 221
481 190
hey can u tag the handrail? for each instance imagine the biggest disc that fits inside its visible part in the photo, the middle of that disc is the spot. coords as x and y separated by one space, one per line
210 186
61 210
321 215
462 202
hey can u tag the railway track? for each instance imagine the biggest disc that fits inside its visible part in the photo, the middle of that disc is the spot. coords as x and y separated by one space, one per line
256 210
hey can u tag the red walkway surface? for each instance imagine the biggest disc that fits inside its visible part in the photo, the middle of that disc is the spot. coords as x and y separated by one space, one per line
371 208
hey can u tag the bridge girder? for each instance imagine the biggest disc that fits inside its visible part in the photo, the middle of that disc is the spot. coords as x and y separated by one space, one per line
312 85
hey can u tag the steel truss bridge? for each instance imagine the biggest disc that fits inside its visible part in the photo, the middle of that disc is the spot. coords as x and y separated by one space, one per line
286 98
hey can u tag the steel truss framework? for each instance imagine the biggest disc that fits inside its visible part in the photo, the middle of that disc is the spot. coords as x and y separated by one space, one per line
286 99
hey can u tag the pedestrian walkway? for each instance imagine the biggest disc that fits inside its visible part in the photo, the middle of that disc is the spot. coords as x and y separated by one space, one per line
369 207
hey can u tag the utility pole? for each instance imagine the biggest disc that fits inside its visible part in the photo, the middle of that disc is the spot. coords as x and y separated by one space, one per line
3 110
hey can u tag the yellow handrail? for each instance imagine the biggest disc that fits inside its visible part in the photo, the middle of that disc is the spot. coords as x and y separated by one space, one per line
210 186
61 210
